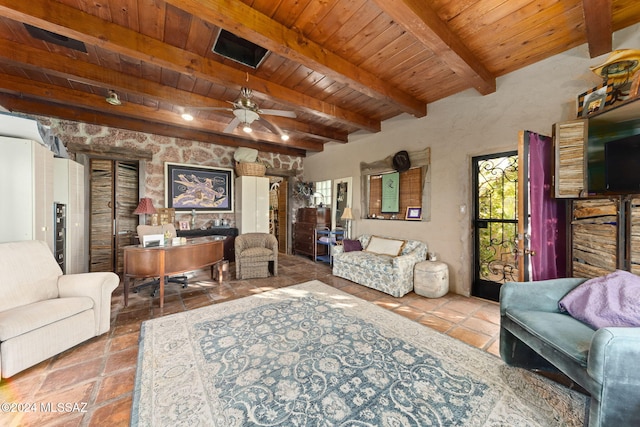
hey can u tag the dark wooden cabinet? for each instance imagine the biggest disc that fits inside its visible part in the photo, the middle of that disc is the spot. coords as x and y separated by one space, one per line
229 242
304 237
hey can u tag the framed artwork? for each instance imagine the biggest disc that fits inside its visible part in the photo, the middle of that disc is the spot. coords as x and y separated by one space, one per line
595 99
413 213
199 188
390 192
184 225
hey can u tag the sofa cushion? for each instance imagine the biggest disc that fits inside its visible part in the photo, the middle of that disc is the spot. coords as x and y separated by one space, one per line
256 254
23 319
351 245
385 246
367 260
31 273
610 300
561 331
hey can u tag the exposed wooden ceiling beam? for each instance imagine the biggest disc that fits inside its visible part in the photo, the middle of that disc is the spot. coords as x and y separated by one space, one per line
419 19
70 22
75 98
38 107
59 65
246 22
598 25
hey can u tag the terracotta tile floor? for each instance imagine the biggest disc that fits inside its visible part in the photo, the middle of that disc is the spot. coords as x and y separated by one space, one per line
98 375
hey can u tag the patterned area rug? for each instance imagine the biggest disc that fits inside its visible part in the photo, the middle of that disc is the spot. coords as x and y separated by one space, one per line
311 355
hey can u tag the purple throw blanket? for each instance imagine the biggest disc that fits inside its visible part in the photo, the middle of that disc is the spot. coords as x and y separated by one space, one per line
611 300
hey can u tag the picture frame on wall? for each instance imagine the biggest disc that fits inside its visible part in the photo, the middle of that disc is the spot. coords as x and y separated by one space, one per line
414 213
199 188
595 100
390 193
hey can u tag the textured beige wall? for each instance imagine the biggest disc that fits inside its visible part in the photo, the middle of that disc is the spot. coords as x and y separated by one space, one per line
456 129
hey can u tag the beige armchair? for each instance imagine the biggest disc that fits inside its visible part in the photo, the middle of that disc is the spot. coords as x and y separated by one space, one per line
255 252
44 312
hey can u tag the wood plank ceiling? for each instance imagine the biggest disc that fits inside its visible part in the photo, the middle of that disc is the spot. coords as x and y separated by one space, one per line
342 66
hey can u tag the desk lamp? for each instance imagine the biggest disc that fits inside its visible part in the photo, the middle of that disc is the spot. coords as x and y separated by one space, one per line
145 207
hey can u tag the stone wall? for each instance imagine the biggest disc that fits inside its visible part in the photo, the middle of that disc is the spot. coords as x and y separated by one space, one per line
164 149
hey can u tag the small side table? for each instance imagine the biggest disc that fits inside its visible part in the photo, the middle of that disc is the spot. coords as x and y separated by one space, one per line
431 279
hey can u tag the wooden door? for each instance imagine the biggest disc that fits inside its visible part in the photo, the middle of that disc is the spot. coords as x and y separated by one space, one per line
570 140
114 197
595 228
126 201
495 223
101 215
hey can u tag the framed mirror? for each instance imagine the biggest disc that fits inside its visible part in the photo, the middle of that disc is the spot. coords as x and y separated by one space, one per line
343 192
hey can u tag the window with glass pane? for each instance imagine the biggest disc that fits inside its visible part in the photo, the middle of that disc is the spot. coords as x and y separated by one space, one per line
322 193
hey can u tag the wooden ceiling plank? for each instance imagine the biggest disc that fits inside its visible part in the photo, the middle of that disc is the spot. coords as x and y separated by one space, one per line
81 115
88 74
341 15
126 14
248 23
176 23
73 23
201 37
151 21
96 102
598 25
417 17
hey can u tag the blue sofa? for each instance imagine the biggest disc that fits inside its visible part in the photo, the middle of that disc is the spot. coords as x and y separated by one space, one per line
536 335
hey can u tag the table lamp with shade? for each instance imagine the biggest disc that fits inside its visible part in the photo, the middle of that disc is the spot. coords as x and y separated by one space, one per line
347 216
145 207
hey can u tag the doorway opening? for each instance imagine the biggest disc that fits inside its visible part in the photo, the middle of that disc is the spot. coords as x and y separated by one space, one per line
495 223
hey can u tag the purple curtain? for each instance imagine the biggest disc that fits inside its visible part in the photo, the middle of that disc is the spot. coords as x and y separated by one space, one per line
547 222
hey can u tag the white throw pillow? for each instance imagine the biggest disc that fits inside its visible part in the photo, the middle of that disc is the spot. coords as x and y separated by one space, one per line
384 246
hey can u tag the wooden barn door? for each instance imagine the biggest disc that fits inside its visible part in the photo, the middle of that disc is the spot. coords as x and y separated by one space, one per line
114 197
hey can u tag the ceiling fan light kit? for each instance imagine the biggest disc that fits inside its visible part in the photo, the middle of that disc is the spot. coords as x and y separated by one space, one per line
246 112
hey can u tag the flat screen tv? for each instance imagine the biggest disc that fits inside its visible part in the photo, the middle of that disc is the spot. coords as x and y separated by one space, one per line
622 165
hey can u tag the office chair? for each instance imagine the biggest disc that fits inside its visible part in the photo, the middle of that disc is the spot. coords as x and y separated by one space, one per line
145 230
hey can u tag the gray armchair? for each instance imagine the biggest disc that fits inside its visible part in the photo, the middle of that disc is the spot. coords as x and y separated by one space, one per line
255 253
536 335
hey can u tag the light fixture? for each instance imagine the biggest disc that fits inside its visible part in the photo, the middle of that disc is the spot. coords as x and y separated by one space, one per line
188 117
145 207
113 98
284 137
247 128
347 216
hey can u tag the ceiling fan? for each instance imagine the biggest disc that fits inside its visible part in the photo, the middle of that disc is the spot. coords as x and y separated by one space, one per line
246 112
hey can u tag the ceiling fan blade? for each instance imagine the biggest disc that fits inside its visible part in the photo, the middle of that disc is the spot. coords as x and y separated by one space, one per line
266 123
212 108
281 113
232 125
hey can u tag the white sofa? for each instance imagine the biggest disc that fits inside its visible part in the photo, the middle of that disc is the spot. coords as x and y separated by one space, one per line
377 267
42 311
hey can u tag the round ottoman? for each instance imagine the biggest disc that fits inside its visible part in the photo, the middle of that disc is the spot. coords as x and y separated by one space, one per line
431 279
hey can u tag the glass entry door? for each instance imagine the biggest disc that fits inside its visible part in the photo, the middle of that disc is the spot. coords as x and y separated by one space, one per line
495 223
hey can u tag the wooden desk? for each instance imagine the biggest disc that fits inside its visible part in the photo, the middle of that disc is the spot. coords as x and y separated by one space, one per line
170 260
